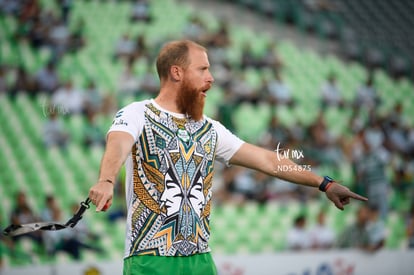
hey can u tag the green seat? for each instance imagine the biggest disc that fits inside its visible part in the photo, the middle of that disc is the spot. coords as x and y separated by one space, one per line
251 122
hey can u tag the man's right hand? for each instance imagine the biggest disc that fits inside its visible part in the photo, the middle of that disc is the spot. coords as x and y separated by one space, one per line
101 195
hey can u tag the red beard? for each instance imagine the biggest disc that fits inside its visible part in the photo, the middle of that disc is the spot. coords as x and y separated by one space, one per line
191 100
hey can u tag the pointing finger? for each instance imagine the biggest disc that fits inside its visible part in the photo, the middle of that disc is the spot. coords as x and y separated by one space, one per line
357 197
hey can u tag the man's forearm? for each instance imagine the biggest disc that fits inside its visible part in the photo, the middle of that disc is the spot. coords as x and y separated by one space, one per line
117 149
301 174
111 163
268 162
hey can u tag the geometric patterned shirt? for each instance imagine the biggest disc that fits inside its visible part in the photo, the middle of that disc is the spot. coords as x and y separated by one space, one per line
169 176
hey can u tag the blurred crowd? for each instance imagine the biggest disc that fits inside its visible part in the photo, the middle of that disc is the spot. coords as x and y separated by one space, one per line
368 232
380 147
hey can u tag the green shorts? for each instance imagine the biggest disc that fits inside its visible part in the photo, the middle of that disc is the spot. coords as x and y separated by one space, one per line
201 264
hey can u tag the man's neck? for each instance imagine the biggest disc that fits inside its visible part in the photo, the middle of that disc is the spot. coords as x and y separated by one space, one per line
166 100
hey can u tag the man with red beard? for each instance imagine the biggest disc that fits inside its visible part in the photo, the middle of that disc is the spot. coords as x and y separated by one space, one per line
169 148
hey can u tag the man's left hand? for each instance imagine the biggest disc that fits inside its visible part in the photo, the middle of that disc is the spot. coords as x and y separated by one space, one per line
341 195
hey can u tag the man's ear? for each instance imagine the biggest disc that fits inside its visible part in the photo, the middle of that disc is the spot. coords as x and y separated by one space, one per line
176 73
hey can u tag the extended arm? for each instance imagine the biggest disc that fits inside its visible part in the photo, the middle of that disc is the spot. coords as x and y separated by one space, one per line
267 161
118 146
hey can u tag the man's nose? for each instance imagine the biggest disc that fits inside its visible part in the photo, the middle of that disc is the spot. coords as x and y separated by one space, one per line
210 78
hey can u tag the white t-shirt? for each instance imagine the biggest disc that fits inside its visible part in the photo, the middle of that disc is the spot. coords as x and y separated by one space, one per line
298 238
70 101
322 236
169 177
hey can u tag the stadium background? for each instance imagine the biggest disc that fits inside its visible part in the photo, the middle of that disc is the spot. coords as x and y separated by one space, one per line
311 44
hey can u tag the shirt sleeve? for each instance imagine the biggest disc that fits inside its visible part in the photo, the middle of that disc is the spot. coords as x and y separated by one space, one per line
227 143
129 119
